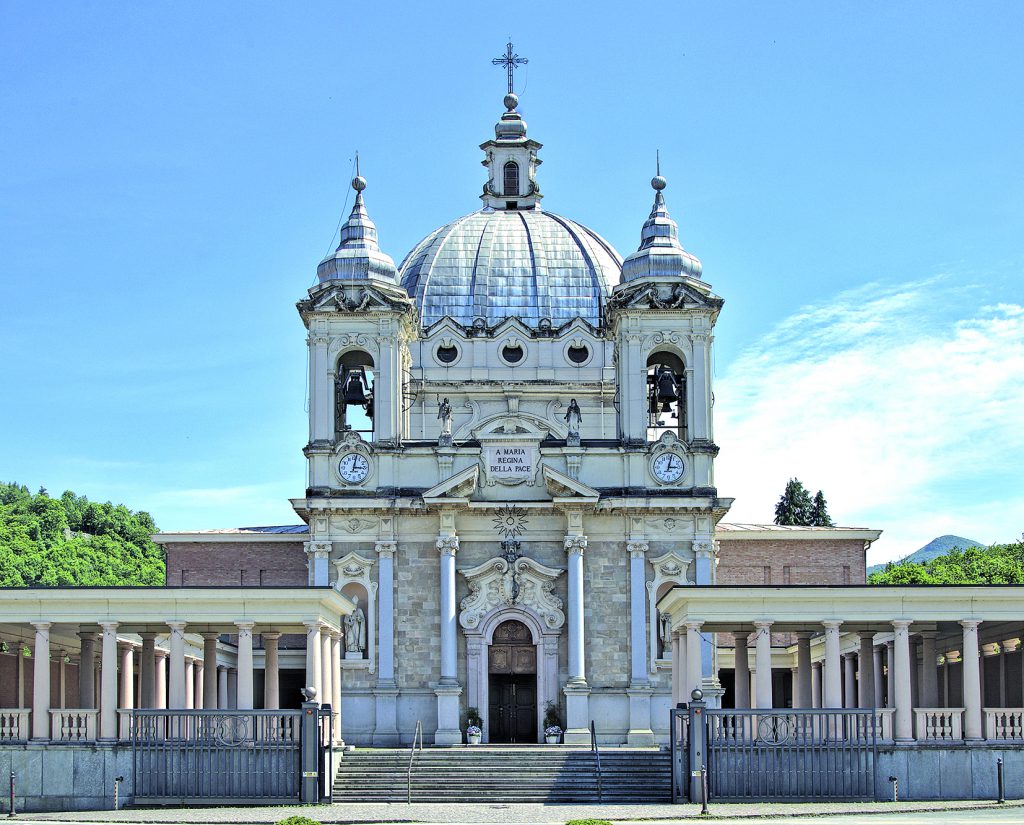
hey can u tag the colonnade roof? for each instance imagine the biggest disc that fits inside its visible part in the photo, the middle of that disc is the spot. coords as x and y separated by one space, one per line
723 608
137 609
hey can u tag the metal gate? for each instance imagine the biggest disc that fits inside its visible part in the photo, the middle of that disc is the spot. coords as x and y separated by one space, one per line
190 756
780 754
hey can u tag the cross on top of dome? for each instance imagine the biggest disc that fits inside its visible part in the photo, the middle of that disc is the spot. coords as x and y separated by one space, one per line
510 60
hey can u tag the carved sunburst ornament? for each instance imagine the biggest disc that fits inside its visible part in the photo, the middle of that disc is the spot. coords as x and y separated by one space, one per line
511 521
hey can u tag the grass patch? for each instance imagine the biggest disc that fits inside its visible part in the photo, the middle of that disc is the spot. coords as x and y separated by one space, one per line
297 820
589 822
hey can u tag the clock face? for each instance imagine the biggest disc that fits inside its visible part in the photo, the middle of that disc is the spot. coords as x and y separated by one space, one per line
353 468
668 468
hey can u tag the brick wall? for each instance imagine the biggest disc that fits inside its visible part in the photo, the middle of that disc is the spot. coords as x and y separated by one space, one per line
791 561
249 564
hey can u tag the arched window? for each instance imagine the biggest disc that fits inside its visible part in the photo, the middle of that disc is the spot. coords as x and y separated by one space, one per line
511 179
354 394
666 395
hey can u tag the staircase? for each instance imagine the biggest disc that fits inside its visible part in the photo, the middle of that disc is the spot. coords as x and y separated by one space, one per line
504 774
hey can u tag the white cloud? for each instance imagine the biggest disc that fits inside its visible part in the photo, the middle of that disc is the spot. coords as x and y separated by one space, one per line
904 403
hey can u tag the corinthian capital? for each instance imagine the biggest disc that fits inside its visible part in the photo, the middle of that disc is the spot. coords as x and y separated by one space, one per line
575 545
447 545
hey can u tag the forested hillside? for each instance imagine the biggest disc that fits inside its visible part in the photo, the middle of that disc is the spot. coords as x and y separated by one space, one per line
71 540
998 564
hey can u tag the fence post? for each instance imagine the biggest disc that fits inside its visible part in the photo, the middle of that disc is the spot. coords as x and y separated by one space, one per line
698 744
310 754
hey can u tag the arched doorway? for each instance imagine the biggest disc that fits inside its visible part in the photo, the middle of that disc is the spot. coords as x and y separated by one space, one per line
512 684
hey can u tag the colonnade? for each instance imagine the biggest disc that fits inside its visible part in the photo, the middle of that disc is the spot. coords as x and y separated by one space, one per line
851 679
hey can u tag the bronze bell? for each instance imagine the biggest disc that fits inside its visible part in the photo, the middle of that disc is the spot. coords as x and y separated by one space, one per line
666 388
355 388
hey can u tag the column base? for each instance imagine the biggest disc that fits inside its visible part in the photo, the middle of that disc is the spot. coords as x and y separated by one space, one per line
577 713
448 731
385 729
639 732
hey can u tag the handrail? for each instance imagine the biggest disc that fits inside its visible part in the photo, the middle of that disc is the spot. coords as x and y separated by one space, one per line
417 736
597 760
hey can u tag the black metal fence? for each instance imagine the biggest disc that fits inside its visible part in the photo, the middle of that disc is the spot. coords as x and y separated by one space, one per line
778 754
189 756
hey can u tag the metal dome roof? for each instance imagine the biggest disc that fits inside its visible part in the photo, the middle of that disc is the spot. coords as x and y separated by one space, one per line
497 264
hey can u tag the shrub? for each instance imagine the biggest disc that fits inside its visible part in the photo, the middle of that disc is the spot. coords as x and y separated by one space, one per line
297 820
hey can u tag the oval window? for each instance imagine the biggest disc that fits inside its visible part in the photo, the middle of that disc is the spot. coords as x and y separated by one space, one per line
512 354
447 355
578 355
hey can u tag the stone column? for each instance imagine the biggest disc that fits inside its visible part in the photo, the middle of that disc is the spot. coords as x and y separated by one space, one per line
448 690
972 680
222 687
637 612
802 694
336 637
147 671
108 682
701 413
313 648
704 574
929 671
832 690
639 691
876 661
190 683
318 554
577 691
866 674
87 670
385 694
176 691
199 683
849 681
245 669
678 666
127 675
816 685
763 663
232 688
903 727
741 687
210 671
327 675
41 681
271 673
160 682
890 674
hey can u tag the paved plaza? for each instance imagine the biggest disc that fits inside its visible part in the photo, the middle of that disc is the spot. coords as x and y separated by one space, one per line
904 813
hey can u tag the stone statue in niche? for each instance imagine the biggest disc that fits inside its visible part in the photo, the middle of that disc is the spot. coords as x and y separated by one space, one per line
573 420
665 635
444 415
355 632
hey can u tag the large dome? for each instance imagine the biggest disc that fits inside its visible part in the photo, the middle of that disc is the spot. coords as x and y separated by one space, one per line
497 264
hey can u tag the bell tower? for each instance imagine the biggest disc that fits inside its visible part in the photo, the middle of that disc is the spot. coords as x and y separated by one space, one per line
360 322
662 315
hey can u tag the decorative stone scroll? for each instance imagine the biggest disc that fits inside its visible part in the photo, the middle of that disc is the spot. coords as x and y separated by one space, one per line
522 583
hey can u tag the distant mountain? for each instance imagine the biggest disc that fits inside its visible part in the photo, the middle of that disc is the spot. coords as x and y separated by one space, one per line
936 547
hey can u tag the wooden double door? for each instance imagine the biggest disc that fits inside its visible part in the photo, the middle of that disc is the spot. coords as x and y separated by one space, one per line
512 685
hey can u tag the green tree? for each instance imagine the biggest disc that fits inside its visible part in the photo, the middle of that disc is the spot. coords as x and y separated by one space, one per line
71 540
998 564
795 505
819 511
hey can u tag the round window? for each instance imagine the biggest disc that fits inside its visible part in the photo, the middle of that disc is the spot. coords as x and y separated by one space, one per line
512 353
578 355
447 355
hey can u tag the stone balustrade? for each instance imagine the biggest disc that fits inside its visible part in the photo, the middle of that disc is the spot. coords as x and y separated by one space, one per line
14 724
73 725
1004 724
883 717
938 724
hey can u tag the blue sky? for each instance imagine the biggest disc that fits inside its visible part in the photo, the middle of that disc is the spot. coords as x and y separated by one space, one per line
849 173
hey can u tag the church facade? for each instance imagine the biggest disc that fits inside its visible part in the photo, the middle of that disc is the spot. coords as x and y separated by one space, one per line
510 461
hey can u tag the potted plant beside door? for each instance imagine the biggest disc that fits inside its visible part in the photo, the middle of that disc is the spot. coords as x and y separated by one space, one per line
473 726
552 724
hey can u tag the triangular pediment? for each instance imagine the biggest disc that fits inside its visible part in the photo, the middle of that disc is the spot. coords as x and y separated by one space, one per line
562 486
459 486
